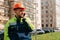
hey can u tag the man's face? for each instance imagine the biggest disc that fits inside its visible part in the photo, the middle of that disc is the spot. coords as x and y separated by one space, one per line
20 13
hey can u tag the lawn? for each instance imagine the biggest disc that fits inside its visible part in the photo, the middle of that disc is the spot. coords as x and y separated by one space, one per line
48 36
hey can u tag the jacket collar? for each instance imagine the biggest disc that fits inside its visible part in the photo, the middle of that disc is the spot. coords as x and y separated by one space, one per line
15 18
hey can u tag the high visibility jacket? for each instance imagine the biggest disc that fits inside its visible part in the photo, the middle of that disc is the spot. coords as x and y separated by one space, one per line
18 30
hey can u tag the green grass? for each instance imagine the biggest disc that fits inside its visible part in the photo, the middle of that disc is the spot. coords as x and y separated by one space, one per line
48 36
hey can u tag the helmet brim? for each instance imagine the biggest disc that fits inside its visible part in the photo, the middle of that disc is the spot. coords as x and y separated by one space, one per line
20 8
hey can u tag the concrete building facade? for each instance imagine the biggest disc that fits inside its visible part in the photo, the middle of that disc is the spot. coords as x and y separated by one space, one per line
3 17
41 12
48 13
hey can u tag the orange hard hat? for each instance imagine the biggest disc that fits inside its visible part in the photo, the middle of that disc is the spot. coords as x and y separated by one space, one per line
19 6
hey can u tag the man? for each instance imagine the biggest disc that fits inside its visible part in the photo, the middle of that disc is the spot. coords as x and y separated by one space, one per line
18 27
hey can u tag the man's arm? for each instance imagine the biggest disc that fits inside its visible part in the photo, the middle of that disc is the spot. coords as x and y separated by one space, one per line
6 37
30 23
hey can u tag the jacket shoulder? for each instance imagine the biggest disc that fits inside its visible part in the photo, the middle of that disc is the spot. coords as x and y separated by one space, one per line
12 20
28 19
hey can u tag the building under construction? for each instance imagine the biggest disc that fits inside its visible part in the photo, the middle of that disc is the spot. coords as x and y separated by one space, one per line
41 10
48 13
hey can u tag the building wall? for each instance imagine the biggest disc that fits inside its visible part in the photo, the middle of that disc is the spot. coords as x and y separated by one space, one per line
48 13
41 12
38 14
3 17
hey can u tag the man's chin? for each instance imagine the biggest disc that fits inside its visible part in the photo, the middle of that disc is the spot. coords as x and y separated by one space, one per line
20 16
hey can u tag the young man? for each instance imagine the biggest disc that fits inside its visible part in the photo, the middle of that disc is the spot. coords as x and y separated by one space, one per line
18 27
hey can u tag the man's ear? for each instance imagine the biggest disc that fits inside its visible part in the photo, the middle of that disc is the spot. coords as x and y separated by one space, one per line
14 11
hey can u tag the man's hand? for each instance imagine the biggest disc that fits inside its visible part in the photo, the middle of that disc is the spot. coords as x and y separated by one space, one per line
24 15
